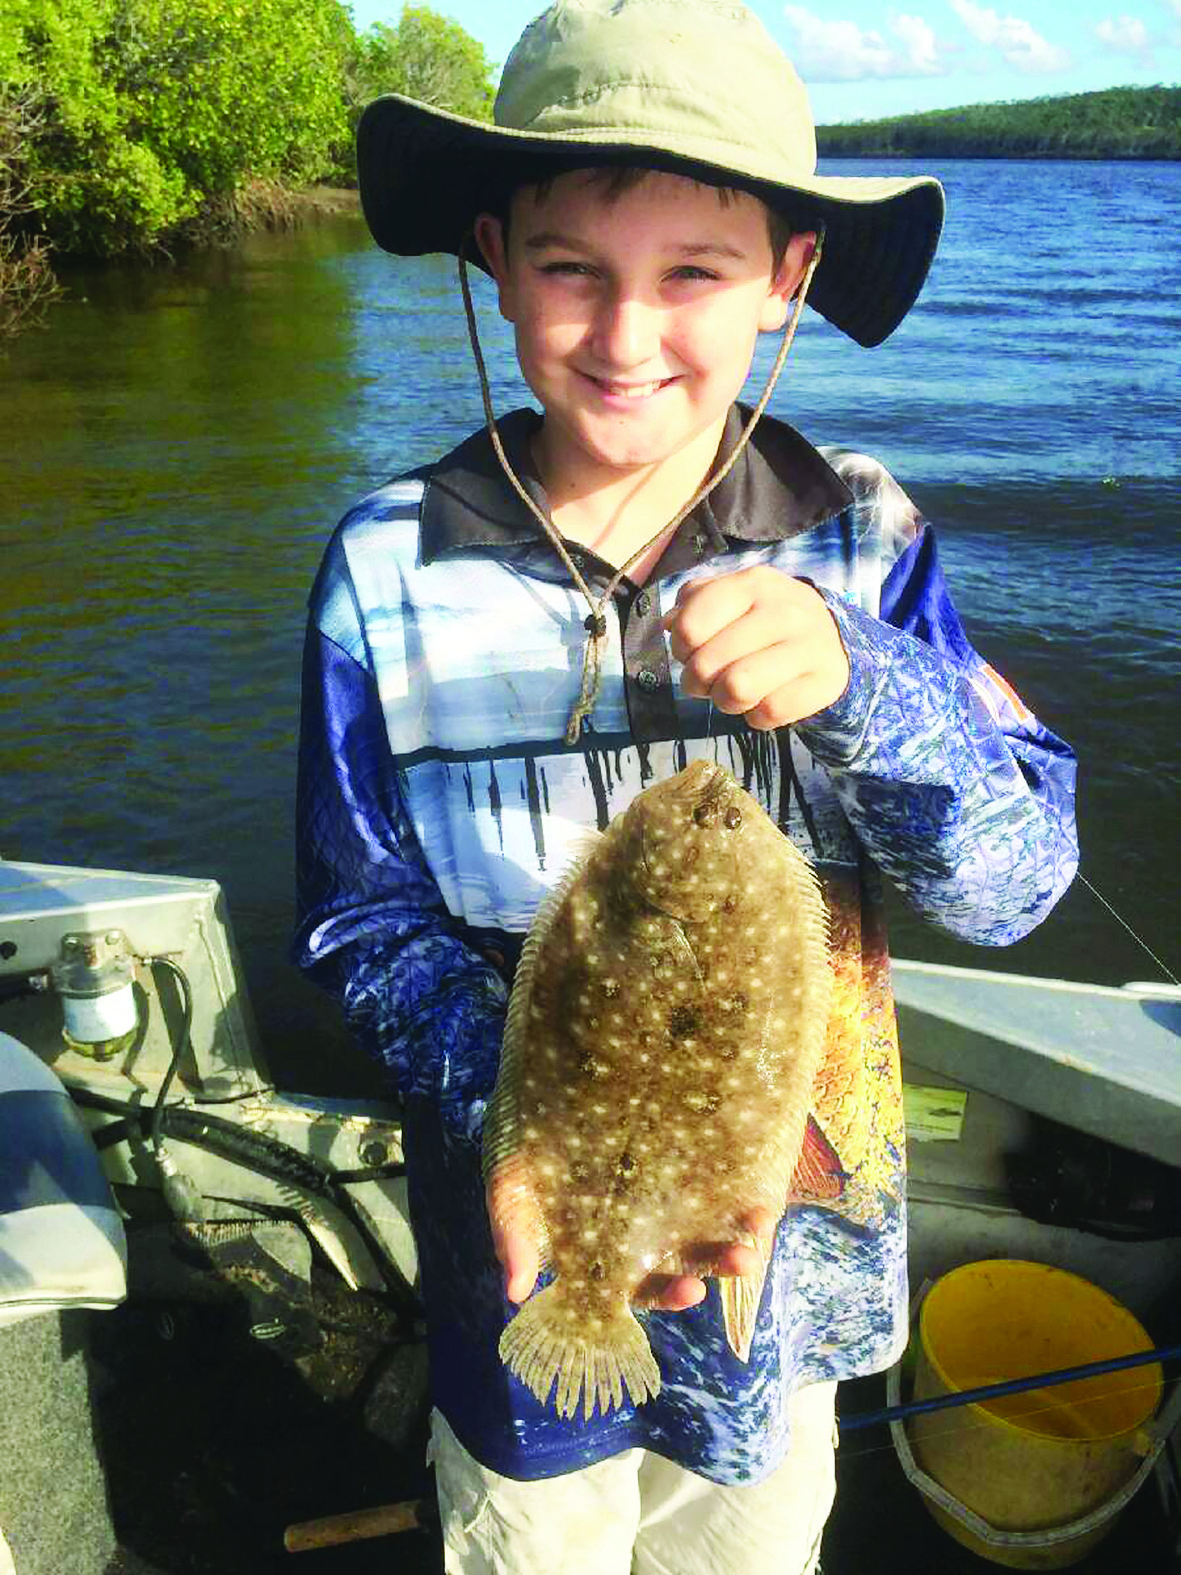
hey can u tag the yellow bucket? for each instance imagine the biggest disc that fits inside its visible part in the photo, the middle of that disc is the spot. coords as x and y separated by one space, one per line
1034 1462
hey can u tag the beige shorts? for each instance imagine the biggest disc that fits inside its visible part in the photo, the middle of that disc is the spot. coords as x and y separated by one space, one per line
638 1514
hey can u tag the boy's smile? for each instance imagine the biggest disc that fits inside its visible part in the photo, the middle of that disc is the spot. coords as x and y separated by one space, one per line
636 317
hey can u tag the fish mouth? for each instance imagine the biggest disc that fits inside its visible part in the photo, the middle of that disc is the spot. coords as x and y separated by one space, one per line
704 783
697 790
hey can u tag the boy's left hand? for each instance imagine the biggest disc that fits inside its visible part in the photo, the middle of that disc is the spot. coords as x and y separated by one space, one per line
758 644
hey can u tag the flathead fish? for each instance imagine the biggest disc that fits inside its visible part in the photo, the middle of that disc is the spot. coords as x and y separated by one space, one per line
663 1037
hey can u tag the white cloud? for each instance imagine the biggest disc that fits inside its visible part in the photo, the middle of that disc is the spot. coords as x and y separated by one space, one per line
1127 35
1017 40
919 38
837 51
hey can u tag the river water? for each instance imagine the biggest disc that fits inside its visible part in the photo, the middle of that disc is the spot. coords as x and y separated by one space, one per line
179 441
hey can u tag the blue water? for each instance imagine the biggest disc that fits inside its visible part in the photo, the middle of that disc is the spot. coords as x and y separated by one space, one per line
179 441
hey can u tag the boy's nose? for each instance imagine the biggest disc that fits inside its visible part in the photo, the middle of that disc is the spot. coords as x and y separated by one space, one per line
627 330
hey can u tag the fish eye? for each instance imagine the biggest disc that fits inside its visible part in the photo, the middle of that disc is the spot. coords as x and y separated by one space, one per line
733 819
703 814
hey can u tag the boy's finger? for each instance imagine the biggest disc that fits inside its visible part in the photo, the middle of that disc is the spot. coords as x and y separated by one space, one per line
519 1279
510 1214
519 1261
743 639
762 1224
669 1292
704 608
741 683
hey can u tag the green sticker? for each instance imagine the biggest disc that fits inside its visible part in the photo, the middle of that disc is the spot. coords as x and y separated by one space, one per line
933 1115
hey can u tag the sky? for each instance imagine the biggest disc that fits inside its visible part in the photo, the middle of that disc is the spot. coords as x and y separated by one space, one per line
861 60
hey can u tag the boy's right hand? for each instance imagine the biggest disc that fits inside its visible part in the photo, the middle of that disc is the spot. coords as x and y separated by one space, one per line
515 1240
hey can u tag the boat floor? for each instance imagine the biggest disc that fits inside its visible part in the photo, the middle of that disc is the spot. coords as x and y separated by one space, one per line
240 1448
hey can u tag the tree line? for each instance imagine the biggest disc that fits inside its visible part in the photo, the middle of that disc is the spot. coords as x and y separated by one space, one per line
131 126
1116 123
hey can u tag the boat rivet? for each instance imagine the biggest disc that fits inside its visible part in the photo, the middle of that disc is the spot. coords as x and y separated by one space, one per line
374 1154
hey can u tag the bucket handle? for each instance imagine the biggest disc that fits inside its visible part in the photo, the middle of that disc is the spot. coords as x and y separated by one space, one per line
1152 1436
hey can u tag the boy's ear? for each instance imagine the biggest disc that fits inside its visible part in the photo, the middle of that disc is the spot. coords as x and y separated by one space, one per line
787 281
489 233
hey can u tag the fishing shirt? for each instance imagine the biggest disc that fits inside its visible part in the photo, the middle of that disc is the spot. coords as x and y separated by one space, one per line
439 802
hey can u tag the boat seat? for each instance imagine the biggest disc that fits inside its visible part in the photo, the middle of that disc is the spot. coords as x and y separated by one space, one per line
61 1238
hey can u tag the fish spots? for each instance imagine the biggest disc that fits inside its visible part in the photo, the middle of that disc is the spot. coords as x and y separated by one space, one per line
683 1021
658 1027
703 1101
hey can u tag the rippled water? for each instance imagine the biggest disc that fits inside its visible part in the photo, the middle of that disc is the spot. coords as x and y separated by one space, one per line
179 442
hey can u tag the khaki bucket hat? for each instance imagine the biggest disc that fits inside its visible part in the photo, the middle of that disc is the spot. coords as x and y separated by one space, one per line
696 87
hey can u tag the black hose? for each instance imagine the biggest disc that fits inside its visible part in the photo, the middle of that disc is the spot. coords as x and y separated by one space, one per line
267 1155
18 989
178 1049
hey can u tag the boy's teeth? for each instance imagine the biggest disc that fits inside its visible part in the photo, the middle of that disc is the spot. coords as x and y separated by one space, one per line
634 390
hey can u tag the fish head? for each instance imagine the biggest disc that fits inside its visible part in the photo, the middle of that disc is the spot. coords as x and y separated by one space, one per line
686 840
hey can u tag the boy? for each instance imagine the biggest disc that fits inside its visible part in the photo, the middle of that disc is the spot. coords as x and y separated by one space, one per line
507 645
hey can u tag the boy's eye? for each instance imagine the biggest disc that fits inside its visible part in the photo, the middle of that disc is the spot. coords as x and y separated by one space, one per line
577 269
688 271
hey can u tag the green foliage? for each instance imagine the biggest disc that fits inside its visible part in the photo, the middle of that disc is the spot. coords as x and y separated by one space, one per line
27 283
427 57
155 108
1118 123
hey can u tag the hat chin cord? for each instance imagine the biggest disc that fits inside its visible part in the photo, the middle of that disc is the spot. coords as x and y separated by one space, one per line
596 621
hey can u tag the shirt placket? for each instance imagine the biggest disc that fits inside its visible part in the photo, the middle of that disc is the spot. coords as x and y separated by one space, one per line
648 685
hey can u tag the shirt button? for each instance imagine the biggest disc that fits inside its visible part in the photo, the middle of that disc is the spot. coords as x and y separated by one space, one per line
701 543
648 680
643 603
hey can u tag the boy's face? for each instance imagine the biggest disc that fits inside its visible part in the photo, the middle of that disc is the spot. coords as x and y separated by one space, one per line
636 316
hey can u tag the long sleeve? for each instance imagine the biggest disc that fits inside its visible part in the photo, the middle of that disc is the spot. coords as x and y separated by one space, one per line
372 926
956 790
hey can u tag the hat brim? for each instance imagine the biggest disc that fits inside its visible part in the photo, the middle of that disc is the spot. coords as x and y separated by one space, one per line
425 173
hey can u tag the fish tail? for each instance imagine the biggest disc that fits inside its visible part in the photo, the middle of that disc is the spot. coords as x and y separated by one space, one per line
547 1341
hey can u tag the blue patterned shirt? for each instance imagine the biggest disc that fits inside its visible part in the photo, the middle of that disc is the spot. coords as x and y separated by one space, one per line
438 802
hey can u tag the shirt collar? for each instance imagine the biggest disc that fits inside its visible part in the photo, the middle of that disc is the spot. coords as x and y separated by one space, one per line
779 487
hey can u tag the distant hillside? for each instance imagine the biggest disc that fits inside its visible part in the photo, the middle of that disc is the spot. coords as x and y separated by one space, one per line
1118 123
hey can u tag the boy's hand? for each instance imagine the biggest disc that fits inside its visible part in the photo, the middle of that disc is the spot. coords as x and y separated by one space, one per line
758 644
514 1238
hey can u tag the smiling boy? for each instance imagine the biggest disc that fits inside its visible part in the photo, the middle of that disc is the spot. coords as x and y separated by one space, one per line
508 644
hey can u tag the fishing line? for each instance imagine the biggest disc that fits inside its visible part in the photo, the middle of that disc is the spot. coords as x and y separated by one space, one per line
973 1425
1164 968
983 1393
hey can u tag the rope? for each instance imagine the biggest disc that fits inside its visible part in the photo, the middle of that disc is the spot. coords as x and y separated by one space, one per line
596 622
